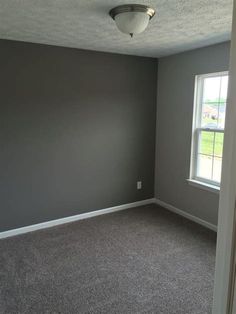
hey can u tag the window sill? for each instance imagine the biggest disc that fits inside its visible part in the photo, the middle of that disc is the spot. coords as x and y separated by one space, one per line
204 186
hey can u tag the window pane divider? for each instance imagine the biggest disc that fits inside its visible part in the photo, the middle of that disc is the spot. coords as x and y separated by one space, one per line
213 157
209 155
210 130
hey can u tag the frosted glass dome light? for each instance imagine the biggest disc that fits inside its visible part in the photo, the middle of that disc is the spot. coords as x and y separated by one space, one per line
132 18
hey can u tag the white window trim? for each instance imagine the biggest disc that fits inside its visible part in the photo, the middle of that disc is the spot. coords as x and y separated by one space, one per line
204 186
194 180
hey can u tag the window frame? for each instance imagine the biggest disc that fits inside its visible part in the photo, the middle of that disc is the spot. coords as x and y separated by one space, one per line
197 128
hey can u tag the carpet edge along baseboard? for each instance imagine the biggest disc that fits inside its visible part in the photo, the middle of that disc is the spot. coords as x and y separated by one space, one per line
60 221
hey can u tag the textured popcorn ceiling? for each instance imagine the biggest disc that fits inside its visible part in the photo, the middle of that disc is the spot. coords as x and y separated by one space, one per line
178 25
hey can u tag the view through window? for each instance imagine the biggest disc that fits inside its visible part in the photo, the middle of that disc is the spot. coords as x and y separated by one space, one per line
209 123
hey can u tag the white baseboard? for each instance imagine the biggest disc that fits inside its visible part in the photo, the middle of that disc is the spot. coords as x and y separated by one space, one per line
56 222
186 215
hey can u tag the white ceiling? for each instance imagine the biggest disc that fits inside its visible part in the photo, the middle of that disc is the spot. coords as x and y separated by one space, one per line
178 25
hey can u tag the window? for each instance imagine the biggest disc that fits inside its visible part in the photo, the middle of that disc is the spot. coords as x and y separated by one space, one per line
208 127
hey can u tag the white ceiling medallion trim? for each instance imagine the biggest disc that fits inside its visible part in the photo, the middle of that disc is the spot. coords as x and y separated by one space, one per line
132 18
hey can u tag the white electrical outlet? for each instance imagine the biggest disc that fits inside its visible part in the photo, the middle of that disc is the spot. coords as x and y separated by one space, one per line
139 185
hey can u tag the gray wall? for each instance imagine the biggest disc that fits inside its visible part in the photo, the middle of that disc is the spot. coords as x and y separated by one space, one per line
77 130
176 76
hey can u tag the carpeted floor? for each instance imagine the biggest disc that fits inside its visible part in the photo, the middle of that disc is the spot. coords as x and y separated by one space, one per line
141 260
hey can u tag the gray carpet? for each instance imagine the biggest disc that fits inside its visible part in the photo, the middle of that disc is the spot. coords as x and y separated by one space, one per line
141 260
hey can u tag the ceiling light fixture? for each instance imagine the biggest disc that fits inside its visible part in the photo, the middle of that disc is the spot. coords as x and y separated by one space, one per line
132 18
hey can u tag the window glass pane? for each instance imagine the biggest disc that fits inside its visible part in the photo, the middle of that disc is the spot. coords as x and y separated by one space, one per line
224 88
206 142
219 140
221 118
210 115
211 89
204 168
217 169
214 102
210 104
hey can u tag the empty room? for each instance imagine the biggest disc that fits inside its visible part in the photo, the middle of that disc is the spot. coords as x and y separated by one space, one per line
117 187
